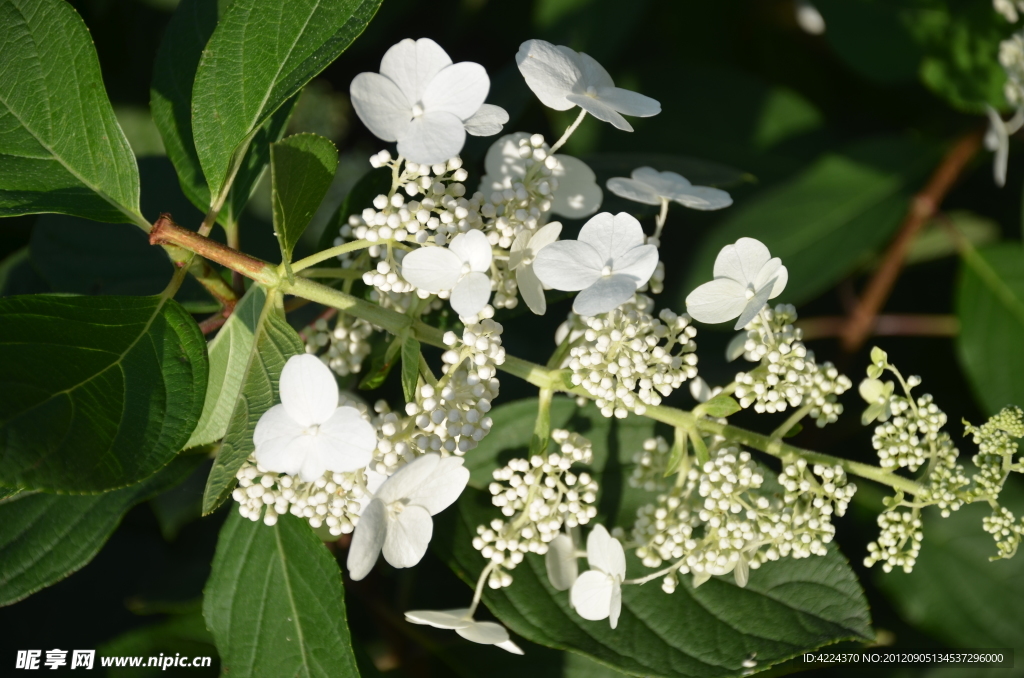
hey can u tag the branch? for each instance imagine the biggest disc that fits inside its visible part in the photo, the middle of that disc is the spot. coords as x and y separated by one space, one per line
910 325
923 206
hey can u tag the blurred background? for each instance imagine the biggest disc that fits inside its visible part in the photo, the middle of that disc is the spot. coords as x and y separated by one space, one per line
822 137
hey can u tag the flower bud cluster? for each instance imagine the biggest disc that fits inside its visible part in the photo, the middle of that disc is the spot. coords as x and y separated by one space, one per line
826 487
538 496
1005 530
899 542
629 359
911 436
347 343
651 462
526 203
1011 57
1010 9
997 448
788 375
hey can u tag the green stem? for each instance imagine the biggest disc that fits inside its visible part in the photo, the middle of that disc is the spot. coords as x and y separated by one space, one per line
542 427
336 273
569 131
315 259
786 426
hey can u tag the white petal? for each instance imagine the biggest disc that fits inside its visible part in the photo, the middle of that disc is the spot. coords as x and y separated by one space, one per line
997 139
637 263
407 480
568 265
442 487
485 633
616 606
561 562
471 294
703 198
308 390
351 441
544 236
611 236
459 89
441 619
531 289
629 103
381 106
503 159
474 249
754 306
509 646
549 71
487 121
666 183
700 390
520 248
631 189
591 595
413 64
607 294
314 452
742 572
408 536
700 577
600 110
717 301
578 194
434 137
871 390
274 434
605 553
367 540
594 74
742 261
773 270
432 269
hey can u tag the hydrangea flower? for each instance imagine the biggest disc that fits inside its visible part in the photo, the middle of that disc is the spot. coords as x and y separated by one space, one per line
461 268
560 561
521 259
878 395
398 521
597 593
651 187
563 78
461 621
746 277
425 102
308 434
608 262
577 194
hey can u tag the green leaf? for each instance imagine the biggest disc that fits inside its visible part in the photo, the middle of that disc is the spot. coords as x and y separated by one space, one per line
182 504
259 56
61 149
95 392
302 168
382 358
828 220
370 185
410 367
934 242
275 342
275 602
990 306
46 537
721 405
180 634
230 352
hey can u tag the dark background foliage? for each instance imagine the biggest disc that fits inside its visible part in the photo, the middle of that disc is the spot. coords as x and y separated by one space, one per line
741 85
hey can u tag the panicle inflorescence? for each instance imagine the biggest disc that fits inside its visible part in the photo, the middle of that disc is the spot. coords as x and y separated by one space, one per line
347 343
899 541
1011 57
650 464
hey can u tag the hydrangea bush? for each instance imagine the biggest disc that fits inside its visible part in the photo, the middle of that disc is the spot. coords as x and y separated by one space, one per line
441 258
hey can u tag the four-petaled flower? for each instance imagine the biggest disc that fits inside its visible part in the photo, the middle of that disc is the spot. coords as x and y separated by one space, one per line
462 622
746 277
597 593
398 520
608 262
563 78
308 434
521 258
425 102
560 561
460 268
878 395
651 187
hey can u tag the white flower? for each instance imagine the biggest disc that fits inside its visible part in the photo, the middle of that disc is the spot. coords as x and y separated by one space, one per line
562 78
577 195
425 102
461 268
462 622
308 434
652 187
521 258
561 562
597 594
398 521
608 262
997 140
746 277
1008 8
809 18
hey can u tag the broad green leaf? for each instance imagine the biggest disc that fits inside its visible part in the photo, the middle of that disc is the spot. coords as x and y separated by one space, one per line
720 406
383 357
302 168
410 367
275 602
10 265
95 392
229 352
181 505
180 634
990 305
259 56
370 185
828 220
61 149
934 242
275 342
46 537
